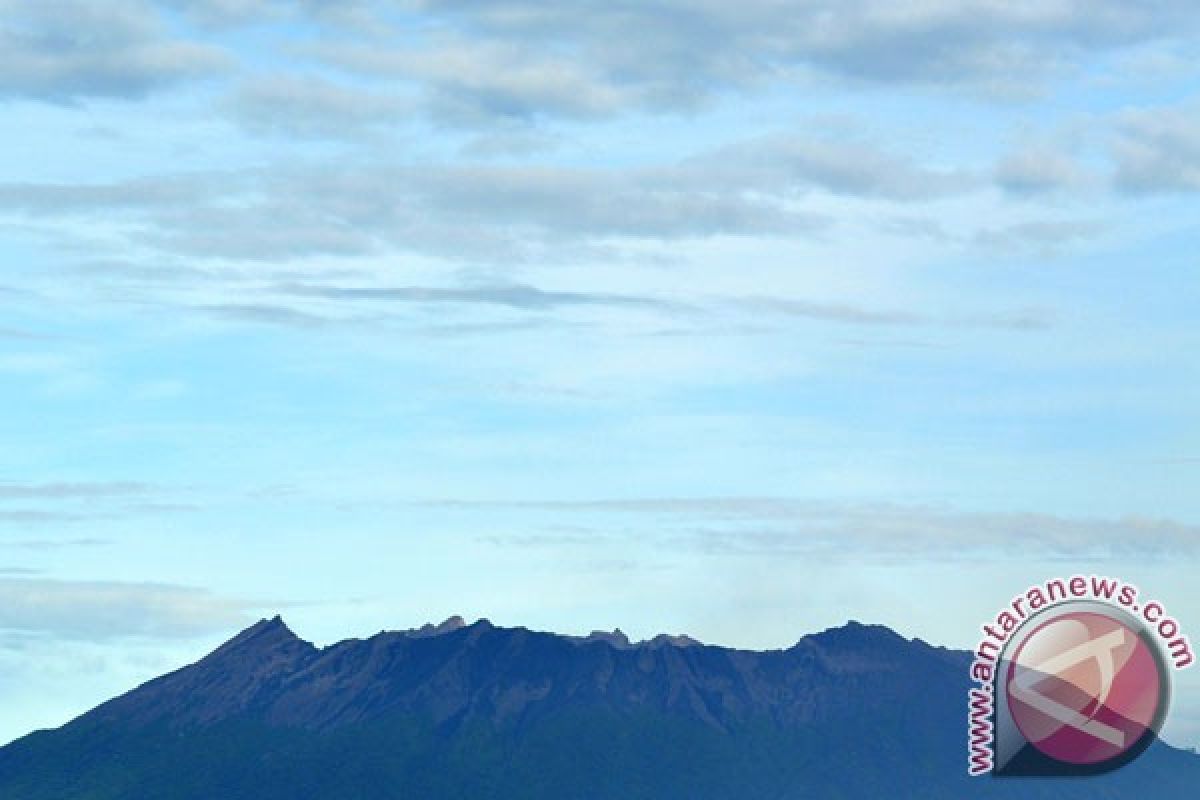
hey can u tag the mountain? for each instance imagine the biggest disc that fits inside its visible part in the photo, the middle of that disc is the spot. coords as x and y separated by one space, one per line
477 711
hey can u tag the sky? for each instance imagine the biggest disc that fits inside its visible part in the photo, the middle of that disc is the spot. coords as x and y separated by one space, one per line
734 319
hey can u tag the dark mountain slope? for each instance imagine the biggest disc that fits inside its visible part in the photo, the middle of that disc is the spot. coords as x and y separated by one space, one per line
477 711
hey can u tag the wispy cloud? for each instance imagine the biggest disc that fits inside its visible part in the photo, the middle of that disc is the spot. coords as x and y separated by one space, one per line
1158 150
1021 320
104 610
292 106
263 314
65 502
54 544
28 516
781 526
491 212
462 211
17 333
845 166
1043 170
831 312
1044 237
517 296
74 490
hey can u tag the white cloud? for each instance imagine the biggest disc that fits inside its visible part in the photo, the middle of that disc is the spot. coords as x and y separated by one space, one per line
520 58
1158 150
1040 170
66 50
98 610
289 105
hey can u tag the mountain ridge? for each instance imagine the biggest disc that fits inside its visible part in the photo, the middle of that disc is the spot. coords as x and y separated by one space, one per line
476 710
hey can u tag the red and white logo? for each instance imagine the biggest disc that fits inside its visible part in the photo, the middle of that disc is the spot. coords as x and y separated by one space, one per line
1072 678
1085 687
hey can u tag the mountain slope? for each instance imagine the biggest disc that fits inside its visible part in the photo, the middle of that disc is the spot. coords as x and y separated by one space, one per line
459 711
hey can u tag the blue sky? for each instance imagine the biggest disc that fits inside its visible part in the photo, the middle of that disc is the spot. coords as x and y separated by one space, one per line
734 319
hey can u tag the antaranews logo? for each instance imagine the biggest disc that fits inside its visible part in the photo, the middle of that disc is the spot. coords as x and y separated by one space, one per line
1073 679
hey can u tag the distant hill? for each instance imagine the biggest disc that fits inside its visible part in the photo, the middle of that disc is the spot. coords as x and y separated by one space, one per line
477 712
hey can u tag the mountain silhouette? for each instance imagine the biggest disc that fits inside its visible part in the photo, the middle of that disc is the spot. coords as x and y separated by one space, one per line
479 711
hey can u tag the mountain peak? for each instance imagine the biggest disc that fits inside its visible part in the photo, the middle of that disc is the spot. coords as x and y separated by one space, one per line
449 625
854 635
616 638
266 634
676 640
274 628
